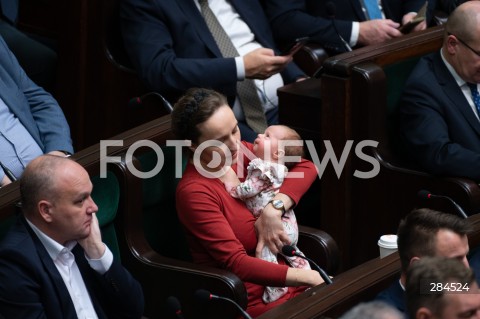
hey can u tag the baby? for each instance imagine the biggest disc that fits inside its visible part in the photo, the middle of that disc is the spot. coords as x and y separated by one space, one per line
266 174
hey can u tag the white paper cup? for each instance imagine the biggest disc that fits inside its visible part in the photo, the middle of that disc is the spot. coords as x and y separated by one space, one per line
387 245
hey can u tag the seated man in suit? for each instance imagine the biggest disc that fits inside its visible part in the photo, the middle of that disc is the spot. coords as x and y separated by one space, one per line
38 60
32 122
173 48
53 263
439 113
441 288
425 232
356 25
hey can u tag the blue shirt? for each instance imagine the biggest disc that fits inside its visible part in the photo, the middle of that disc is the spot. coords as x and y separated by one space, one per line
17 146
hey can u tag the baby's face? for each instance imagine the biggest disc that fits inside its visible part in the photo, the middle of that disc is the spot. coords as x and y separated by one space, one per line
265 145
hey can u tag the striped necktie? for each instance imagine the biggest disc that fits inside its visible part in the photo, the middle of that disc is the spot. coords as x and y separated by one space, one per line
246 89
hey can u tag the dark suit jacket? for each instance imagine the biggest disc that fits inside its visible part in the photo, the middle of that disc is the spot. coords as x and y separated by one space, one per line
447 6
394 295
172 48
33 106
438 128
9 10
32 287
292 19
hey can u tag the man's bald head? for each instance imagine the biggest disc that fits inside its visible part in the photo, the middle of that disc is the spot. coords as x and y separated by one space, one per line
40 178
464 21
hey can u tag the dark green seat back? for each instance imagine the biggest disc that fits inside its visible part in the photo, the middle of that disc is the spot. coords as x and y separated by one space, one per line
397 75
7 222
106 194
162 227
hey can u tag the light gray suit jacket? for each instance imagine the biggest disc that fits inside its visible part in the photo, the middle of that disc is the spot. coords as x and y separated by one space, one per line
36 109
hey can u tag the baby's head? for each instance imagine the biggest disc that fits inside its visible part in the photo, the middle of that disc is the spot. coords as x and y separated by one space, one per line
267 147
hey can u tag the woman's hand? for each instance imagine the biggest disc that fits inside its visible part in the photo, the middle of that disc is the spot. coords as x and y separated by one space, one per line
303 277
270 231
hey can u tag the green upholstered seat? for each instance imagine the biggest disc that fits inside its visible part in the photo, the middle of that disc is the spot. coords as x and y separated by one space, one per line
397 75
106 194
162 227
6 222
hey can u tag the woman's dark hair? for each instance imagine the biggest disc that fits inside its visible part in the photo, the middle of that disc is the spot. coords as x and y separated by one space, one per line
193 108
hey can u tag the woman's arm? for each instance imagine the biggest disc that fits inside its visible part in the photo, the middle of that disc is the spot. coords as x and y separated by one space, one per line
303 277
269 225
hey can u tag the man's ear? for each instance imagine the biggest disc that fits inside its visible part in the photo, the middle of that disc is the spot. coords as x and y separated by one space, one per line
412 260
452 44
424 313
45 210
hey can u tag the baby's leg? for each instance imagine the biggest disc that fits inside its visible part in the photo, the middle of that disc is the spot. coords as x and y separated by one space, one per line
271 293
298 262
291 228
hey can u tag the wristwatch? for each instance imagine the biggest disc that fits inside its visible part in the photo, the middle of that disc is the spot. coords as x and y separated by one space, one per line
278 204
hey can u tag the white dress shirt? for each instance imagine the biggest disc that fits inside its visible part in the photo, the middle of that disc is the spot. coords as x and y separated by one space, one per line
462 84
64 260
244 41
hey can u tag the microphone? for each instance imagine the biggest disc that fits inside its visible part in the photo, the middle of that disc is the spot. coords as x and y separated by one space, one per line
290 251
173 304
136 101
8 173
424 194
318 73
204 296
331 9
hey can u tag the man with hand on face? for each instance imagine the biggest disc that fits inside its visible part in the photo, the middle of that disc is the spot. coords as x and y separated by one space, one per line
53 263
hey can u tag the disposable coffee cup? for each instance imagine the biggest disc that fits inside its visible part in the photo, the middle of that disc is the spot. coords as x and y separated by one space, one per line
387 245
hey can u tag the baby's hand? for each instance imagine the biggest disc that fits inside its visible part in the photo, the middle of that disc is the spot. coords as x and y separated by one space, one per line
230 179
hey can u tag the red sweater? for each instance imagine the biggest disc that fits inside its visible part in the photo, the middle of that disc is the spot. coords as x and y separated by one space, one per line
221 233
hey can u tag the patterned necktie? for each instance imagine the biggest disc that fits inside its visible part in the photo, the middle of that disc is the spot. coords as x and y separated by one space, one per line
373 9
475 96
246 90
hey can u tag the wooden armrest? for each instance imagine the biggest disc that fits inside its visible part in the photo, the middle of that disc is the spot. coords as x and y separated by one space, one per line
310 58
320 247
464 191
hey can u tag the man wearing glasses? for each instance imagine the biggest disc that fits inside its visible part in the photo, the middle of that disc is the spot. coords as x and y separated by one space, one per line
440 107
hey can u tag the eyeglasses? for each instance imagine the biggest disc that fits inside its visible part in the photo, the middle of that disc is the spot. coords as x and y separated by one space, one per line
465 44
